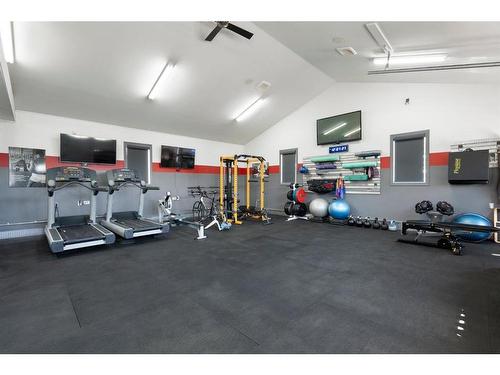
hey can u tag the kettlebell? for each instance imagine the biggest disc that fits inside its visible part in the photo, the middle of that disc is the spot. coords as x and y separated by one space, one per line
367 223
351 221
376 224
393 226
359 221
384 225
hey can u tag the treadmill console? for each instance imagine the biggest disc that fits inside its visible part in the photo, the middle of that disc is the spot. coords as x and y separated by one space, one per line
122 175
67 174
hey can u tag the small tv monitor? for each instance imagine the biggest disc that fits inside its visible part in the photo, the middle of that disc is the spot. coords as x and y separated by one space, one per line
339 129
83 149
177 157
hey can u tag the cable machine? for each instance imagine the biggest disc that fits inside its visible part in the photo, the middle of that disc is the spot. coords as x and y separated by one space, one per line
228 185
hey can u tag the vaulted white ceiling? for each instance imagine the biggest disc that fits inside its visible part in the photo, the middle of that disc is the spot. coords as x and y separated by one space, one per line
463 42
102 71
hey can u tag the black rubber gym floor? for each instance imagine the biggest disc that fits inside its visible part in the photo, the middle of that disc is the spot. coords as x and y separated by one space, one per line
295 287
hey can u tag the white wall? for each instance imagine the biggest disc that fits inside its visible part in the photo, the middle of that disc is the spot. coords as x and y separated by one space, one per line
38 130
452 112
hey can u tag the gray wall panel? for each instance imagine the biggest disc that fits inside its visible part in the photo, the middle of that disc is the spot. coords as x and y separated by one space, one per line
397 202
30 204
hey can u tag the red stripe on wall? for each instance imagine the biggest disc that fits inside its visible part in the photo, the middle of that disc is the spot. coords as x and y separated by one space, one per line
438 159
385 162
274 169
4 160
198 169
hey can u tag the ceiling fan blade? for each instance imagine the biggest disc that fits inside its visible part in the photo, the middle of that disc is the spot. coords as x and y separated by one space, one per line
240 31
213 33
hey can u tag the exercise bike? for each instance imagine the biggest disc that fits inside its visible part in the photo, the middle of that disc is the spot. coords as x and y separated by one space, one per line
206 208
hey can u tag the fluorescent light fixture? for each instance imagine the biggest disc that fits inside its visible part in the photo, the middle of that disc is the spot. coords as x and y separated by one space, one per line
7 41
250 110
167 68
352 132
379 36
410 59
335 128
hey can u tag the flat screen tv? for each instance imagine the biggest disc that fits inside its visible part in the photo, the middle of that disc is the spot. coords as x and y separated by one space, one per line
339 129
82 149
177 157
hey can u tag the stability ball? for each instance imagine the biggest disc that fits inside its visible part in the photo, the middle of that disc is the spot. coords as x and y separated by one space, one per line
472 219
319 207
339 209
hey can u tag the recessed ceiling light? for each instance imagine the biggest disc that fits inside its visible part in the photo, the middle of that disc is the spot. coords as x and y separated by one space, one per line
346 51
264 86
409 59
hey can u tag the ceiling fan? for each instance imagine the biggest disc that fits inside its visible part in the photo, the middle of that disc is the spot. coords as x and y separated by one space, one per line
227 25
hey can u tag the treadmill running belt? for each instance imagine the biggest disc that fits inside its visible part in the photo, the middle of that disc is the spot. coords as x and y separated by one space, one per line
138 225
79 233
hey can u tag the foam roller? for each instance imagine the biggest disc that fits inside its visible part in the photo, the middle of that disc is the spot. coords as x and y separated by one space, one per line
359 164
319 159
356 177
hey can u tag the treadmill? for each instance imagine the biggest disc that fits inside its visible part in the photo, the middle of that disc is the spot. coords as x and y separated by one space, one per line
130 224
73 232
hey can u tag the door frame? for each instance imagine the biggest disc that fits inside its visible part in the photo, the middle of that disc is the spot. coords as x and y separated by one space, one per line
142 146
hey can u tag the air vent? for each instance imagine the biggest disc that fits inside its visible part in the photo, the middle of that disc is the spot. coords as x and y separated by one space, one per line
346 51
263 86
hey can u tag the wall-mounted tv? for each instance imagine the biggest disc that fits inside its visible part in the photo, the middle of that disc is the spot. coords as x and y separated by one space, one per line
82 149
339 129
177 157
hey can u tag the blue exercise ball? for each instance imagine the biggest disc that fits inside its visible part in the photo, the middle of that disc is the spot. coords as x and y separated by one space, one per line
339 209
472 219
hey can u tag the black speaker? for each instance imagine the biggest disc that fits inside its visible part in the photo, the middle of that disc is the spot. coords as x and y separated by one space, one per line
468 167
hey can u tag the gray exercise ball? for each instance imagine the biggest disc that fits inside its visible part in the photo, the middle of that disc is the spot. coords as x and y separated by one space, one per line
319 207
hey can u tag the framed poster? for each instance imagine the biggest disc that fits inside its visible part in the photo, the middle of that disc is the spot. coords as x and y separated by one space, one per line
27 167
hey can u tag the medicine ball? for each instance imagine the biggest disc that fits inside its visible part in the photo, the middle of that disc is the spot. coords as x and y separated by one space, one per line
288 208
300 195
299 209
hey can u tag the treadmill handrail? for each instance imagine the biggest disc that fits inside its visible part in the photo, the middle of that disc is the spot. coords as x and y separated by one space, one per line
133 183
84 184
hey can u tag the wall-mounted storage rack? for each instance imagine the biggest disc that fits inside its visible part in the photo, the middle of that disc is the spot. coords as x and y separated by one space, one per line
490 144
351 166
